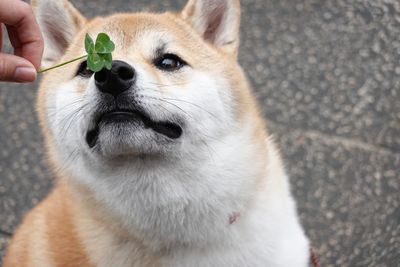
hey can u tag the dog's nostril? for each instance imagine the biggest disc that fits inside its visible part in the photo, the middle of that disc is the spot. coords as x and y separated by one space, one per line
101 76
125 73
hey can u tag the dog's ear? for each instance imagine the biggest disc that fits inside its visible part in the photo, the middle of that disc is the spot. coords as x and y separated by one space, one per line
59 21
217 21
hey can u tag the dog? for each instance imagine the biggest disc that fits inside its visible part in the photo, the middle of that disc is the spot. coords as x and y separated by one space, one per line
162 161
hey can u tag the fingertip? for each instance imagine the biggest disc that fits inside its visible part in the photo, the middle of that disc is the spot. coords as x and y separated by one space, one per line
16 69
25 74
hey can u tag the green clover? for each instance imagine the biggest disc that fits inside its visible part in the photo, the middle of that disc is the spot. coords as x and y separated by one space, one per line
99 54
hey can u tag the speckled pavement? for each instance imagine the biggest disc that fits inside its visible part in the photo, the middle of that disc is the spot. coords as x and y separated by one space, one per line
327 75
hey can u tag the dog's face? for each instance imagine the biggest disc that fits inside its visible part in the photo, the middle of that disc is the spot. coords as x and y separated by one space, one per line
174 85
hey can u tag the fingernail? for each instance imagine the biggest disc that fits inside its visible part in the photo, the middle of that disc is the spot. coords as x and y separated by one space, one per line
25 74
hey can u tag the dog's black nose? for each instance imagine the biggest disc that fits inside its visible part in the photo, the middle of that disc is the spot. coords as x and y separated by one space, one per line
117 80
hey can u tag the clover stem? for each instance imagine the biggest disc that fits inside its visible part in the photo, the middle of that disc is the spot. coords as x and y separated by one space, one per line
62 64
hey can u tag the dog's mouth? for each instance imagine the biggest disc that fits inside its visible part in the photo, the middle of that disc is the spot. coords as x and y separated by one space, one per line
126 117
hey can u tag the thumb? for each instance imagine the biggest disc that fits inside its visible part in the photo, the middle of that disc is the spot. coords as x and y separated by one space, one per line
16 69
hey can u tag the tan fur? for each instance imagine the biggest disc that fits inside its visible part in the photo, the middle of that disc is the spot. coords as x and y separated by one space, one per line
48 235
232 47
68 228
60 232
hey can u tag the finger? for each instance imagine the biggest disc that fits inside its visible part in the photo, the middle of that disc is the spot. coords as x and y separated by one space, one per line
1 37
28 38
16 69
13 37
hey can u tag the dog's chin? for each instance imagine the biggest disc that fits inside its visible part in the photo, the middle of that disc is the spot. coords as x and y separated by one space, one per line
128 133
116 140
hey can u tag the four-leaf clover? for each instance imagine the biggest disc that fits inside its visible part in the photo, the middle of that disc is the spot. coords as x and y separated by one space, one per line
99 53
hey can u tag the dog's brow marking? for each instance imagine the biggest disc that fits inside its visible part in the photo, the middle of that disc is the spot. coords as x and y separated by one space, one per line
161 49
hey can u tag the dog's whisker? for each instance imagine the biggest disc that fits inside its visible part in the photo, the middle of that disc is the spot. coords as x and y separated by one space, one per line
179 100
167 85
167 102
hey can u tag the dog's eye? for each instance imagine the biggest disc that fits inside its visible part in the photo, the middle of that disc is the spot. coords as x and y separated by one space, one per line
83 71
169 62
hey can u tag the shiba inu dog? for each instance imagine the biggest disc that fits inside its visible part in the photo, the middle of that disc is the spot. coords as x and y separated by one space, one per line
162 161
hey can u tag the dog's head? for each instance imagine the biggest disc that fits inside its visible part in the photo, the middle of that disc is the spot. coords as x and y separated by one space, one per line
174 87
171 133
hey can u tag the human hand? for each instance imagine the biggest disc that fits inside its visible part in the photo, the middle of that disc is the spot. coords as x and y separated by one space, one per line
26 39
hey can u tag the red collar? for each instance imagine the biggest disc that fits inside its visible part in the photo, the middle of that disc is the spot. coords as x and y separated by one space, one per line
314 259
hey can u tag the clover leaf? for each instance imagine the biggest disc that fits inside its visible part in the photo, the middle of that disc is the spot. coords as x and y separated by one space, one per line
99 53
104 45
89 44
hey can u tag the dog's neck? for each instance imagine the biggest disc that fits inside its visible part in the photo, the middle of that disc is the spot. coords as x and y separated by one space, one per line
187 202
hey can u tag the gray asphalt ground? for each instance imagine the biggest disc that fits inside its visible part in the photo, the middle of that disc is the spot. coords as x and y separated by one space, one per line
327 75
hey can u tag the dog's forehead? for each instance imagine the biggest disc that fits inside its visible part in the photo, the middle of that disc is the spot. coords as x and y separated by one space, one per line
146 30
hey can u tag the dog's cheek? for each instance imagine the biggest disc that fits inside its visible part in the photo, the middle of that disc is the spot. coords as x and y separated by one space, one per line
208 101
64 109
